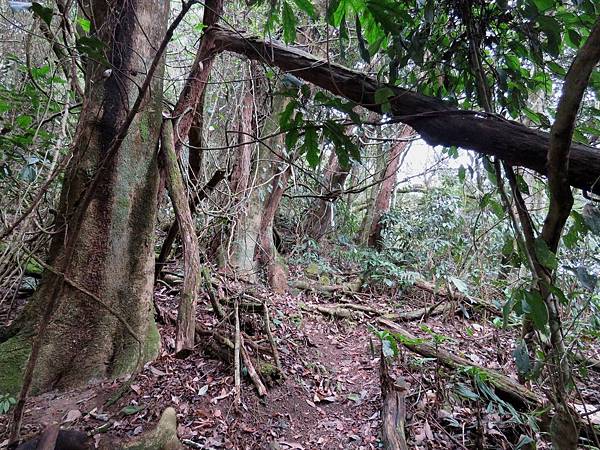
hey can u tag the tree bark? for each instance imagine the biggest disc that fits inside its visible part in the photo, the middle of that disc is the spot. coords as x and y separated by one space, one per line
383 200
190 114
109 263
437 122
565 424
238 249
195 84
186 314
393 409
319 221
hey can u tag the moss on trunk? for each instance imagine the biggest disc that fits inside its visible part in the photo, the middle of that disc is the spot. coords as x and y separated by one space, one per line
103 324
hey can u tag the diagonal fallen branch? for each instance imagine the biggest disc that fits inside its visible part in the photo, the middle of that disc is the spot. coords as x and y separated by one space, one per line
438 122
506 386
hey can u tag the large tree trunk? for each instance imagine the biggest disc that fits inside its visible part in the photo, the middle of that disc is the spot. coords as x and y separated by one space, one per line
436 121
384 195
237 250
320 219
103 325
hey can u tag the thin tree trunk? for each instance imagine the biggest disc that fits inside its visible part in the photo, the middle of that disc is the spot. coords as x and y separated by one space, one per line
565 424
319 221
186 314
384 195
238 250
190 111
266 253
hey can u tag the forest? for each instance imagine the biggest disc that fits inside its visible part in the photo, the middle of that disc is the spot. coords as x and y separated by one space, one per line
299 224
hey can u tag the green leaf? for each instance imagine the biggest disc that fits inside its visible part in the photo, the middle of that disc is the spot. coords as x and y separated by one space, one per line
307 7
544 255
522 360
573 38
524 442
24 121
382 97
310 146
462 172
465 392
460 285
543 5
362 45
92 47
344 146
286 115
537 309
522 184
84 24
131 409
552 29
289 23
42 12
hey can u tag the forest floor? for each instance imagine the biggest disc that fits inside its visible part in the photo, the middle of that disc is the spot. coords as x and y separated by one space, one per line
330 397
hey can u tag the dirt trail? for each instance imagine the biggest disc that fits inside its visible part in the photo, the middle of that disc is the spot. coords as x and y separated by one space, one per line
330 398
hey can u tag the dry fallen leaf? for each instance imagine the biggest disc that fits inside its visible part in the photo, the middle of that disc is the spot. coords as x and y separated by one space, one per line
72 416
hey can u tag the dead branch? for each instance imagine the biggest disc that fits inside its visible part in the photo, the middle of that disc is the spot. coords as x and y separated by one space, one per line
272 343
236 358
393 409
260 387
508 387
438 122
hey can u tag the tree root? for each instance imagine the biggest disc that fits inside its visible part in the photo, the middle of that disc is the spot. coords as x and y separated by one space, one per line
332 311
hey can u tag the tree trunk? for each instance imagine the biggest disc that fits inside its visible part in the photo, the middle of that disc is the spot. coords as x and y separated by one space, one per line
277 175
190 111
186 313
265 253
103 325
319 221
384 195
239 238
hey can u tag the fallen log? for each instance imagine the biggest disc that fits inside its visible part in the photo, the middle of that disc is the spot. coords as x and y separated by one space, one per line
507 387
349 288
438 122
393 409
443 292
332 311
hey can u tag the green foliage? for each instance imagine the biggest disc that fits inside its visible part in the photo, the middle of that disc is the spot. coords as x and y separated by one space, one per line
7 401
384 269
525 49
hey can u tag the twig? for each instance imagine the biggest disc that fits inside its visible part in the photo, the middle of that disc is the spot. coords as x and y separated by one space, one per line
272 341
236 357
260 387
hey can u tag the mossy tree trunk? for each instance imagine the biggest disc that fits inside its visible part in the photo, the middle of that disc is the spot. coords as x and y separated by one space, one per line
103 323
